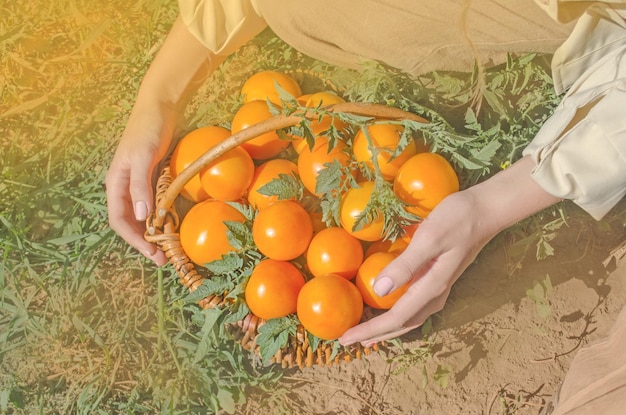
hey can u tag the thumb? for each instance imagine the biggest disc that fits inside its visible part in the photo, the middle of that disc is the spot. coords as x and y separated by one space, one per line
410 264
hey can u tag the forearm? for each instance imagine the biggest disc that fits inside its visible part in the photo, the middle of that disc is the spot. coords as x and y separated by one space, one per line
180 67
510 196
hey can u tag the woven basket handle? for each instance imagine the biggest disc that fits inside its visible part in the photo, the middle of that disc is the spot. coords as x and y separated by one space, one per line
275 123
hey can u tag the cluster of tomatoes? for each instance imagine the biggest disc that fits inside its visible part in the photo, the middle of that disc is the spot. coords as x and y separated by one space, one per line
323 274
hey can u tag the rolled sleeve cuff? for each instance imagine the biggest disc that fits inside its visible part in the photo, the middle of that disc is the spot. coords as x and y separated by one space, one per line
587 162
221 25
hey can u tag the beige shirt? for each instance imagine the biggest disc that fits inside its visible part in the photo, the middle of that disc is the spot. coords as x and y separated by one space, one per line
582 158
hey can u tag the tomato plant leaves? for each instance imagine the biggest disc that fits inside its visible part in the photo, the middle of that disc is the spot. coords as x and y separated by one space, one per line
285 187
229 263
332 181
274 334
239 235
210 286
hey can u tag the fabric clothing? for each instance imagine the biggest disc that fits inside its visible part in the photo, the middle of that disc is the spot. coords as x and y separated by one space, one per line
414 36
221 25
595 383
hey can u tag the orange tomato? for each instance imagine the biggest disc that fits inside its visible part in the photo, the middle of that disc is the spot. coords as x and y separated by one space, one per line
329 305
324 99
311 161
272 289
228 177
365 277
188 150
263 175
203 234
385 139
353 203
409 231
334 251
423 181
262 86
266 145
387 245
282 230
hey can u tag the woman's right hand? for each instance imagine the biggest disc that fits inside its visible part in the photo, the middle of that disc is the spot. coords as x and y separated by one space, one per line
129 180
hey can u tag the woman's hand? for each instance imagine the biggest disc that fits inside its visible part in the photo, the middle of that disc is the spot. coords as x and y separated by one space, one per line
129 179
445 244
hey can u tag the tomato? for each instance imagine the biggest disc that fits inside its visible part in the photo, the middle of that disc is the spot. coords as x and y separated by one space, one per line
423 181
385 138
188 150
311 161
387 245
282 230
409 231
203 234
228 177
368 271
263 175
334 251
272 289
324 99
353 204
329 305
262 86
266 145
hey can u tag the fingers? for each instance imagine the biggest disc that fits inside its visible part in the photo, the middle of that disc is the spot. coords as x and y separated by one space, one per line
127 215
421 301
411 263
430 286
139 187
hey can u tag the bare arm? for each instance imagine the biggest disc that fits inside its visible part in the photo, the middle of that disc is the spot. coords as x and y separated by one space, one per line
181 65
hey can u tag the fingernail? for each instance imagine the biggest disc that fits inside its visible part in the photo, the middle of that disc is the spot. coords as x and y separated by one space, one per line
141 210
383 286
147 253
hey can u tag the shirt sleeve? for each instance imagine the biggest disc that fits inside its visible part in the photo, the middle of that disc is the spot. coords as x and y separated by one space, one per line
221 25
580 152
565 11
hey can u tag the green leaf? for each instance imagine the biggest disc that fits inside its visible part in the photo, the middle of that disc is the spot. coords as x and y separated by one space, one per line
285 187
544 311
442 376
226 400
314 341
229 263
238 311
427 327
210 286
544 249
330 178
207 339
239 234
273 335
487 152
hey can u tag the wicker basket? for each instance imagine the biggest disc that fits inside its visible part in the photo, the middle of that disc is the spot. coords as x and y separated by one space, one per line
162 227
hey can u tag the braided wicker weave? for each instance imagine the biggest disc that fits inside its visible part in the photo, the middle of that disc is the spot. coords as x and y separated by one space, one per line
162 228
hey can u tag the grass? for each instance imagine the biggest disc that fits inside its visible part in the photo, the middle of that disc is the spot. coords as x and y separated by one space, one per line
86 325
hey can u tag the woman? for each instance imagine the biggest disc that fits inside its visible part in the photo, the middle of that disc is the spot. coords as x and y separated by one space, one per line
579 154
